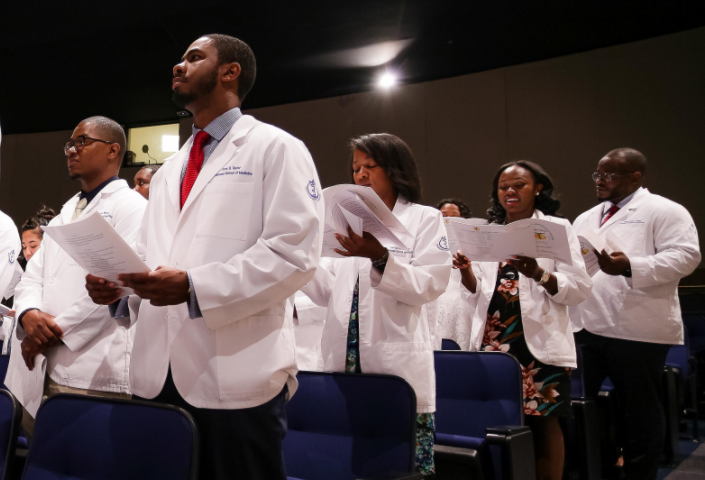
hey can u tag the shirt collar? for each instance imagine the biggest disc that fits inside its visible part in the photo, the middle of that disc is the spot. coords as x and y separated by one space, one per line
219 127
624 201
89 196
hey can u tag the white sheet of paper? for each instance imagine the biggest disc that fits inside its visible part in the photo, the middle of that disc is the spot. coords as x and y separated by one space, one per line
361 208
452 239
589 242
531 237
353 221
27 386
95 245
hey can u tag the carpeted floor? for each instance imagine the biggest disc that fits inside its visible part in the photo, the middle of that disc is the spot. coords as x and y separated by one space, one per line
691 461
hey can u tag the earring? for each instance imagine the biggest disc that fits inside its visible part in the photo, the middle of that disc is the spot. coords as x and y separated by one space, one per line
537 194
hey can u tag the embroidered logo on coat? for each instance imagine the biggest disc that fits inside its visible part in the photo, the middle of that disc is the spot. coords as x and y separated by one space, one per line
443 244
312 190
11 257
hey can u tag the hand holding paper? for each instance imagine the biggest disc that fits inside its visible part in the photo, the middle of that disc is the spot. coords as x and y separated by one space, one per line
531 237
95 245
360 209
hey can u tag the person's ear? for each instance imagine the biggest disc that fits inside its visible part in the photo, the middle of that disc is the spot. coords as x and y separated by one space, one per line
637 177
538 189
230 72
114 151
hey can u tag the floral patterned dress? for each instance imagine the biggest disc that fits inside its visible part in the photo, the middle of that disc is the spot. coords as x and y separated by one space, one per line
546 387
425 422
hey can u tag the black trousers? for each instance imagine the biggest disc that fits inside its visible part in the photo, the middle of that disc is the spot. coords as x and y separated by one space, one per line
236 444
636 371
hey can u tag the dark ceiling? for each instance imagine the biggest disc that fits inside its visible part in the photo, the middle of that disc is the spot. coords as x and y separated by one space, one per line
64 61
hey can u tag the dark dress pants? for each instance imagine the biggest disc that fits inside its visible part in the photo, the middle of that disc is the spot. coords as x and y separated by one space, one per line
235 444
636 371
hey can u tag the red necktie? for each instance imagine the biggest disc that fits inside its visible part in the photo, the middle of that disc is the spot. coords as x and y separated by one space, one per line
613 209
195 162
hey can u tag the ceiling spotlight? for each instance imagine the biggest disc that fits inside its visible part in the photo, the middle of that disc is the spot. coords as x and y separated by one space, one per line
387 80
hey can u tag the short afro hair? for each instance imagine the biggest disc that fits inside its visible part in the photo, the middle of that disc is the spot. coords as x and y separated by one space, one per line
464 209
111 131
234 50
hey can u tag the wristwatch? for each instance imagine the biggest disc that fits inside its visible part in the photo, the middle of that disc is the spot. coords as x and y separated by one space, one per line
545 276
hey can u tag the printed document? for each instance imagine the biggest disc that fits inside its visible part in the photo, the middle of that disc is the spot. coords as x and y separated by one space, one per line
95 245
591 241
361 209
531 237
452 241
27 386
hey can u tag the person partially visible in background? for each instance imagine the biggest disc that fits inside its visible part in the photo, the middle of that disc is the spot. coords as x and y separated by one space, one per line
453 313
32 233
144 177
454 207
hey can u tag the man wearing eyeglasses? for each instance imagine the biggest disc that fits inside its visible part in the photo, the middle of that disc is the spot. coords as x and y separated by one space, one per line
632 316
87 352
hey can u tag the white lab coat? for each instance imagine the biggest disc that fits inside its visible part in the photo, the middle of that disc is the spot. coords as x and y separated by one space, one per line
308 329
10 248
395 332
547 328
250 235
95 354
661 241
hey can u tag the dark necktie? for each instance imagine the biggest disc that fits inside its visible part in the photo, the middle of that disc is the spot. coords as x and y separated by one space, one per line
195 162
613 209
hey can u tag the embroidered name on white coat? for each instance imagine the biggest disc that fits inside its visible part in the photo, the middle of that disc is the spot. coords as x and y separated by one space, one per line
232 170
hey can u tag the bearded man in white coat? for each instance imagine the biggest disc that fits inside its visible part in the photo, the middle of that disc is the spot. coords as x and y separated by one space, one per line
87 352
233 229
632 317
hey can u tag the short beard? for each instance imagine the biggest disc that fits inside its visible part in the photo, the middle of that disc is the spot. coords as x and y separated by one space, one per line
75 176
204 87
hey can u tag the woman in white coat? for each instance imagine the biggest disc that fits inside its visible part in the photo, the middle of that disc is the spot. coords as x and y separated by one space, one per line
376 322
521 308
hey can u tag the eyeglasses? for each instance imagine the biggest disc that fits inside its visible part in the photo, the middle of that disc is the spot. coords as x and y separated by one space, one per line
80 142
608 177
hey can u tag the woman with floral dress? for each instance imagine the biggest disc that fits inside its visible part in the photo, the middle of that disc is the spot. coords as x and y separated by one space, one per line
521 308
376 321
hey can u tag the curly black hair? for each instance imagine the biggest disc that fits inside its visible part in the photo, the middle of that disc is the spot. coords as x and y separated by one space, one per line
41 219
546 201
396 159
464 209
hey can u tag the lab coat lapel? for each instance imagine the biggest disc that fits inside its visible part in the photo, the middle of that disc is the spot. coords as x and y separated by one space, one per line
108 189
68 209
623 212
224 152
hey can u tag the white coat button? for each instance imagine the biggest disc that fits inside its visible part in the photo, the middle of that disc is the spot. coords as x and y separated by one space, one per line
166 316
51 280
172 263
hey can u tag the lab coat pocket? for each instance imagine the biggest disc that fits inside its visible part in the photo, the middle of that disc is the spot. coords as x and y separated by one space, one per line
628 236
547 340
251 356
414 363
649 308
226 209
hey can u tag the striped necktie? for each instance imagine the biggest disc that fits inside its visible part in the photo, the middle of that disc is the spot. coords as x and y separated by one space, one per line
80 206
195 162
613 209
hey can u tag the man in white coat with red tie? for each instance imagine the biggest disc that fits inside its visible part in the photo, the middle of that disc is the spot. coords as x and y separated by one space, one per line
232 230
632 317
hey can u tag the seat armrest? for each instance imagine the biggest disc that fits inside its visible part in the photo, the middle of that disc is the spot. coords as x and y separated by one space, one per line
455 462
517 447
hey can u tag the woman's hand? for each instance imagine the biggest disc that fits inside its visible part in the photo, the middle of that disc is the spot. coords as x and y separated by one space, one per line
360 246
527 266
460 261
467 277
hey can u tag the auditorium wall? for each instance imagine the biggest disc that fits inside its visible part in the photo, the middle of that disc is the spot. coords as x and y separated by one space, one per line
563 113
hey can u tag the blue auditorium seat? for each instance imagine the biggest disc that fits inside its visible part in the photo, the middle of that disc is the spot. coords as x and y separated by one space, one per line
10 422
448 344
479 417
681 360
582 433
79 437
348 426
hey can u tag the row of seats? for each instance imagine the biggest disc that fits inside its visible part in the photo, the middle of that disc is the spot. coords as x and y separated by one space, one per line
341 426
